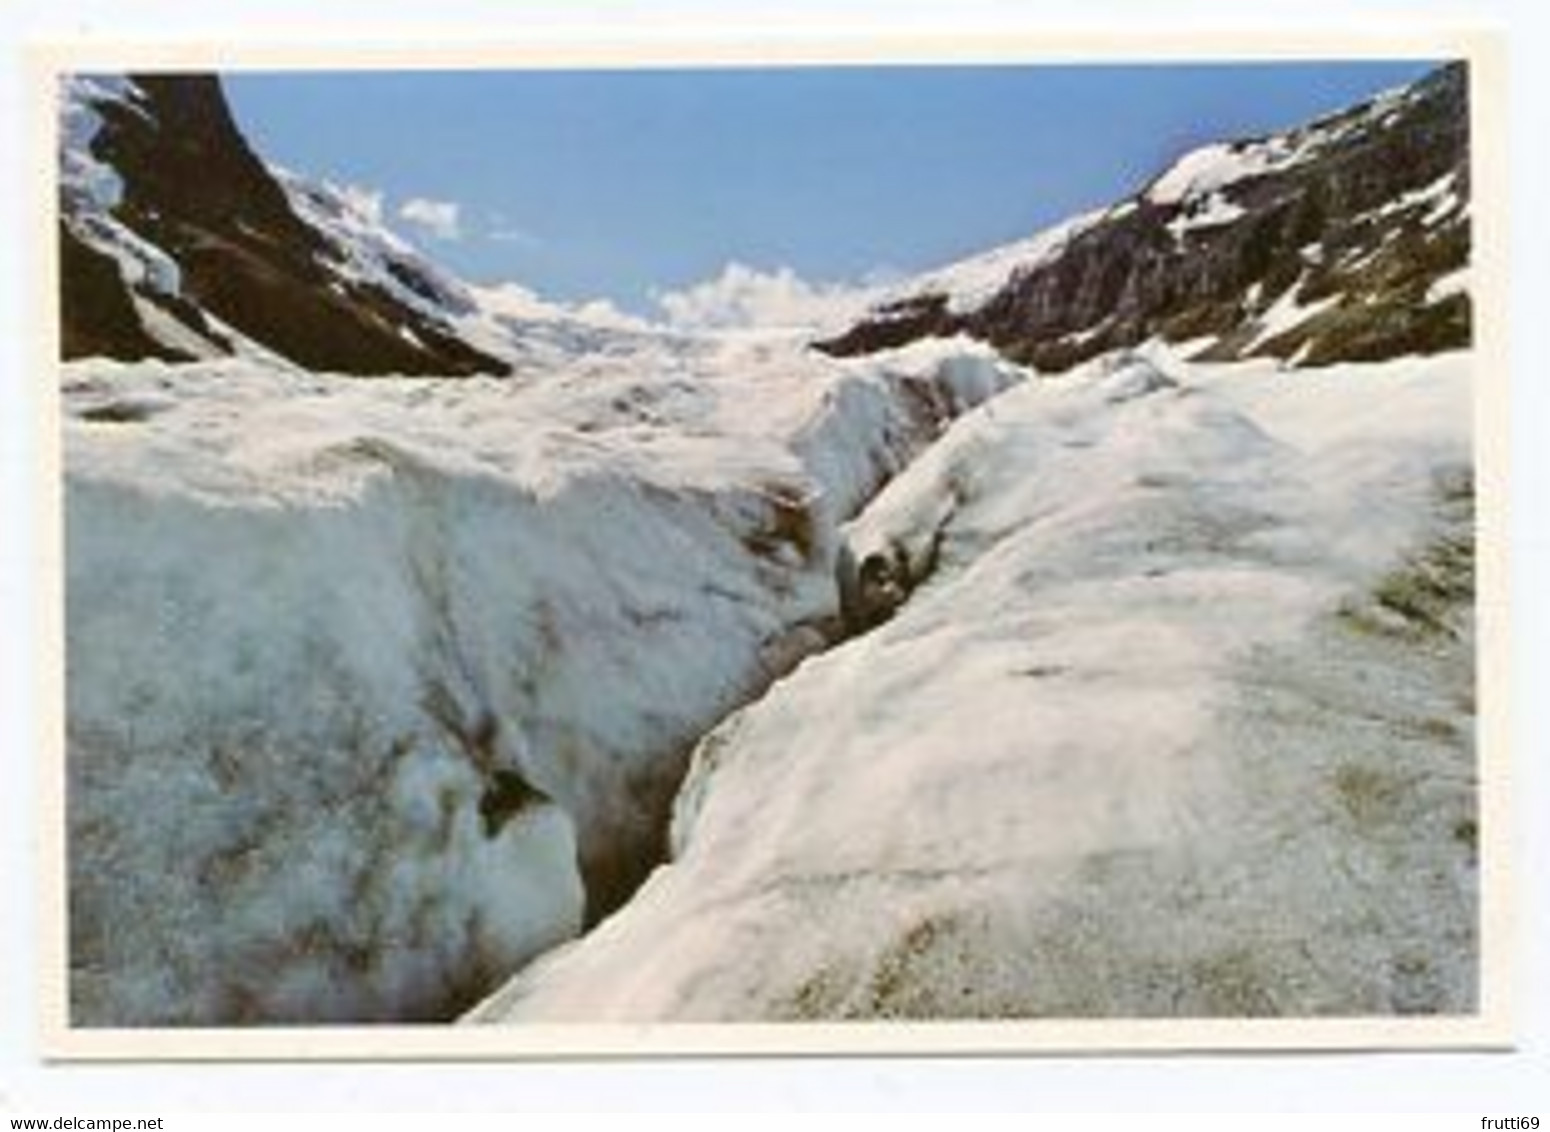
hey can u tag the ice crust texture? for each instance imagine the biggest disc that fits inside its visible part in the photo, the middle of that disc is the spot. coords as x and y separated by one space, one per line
311 619
1151 739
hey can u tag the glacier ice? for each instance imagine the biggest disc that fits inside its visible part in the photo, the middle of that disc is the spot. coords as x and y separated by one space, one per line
1146 742
377 689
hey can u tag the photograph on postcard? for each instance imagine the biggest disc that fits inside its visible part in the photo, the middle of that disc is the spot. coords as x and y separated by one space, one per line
784 544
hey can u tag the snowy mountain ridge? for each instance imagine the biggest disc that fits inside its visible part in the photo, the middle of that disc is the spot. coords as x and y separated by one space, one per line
1364 211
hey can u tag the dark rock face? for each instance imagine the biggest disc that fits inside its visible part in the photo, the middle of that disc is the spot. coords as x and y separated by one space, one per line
193 188
1351 226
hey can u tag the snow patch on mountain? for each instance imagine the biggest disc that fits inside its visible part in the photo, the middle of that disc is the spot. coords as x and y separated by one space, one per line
969 283
1208 212
1441 195
83 178
90 188
1458 282
1212 168
1286 313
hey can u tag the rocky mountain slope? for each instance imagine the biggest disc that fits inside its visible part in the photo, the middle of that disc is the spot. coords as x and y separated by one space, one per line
178 242
1344 239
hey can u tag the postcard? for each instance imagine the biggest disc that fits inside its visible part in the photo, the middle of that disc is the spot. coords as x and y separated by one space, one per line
957 547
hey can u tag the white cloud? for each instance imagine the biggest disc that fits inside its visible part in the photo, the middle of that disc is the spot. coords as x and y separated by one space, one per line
438 217
746 297
510 235
512 300
499 228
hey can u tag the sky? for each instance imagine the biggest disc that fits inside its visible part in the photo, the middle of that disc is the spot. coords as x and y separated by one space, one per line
631 185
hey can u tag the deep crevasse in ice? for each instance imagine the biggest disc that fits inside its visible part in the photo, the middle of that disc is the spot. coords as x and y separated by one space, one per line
357 671
1178 723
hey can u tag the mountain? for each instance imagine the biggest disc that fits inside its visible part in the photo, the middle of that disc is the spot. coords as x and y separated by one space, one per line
1344 239
178 242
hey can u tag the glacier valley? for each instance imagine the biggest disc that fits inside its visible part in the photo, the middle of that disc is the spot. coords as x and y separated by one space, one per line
1082 630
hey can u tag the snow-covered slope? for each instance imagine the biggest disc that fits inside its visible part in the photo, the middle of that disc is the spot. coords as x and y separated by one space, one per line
1178 722
372 686
969 283
507 320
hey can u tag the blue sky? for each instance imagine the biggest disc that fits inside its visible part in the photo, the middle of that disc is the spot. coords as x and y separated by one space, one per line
614 184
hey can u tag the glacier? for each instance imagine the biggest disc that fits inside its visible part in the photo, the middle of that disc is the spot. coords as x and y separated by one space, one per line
376 689
1160 732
